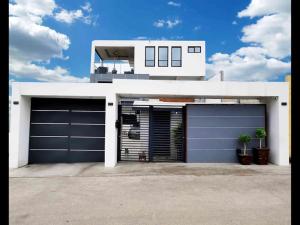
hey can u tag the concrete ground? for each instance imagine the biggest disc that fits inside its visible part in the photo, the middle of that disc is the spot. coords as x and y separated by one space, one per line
150 193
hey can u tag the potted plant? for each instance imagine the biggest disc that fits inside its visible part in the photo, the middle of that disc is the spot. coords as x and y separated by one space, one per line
243 156
261 154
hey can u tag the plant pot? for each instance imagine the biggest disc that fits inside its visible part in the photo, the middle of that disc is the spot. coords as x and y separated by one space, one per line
245 159
261 156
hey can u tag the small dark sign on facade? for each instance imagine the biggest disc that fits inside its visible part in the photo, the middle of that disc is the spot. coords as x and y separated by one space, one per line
283 103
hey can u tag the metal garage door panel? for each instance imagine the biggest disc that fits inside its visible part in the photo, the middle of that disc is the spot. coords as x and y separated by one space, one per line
226 110
221 121
50 103
213 130
88 117
86 156
229 143
53 118
49 129
220 132
88 130
46 156
212 156
49 117
87 143
88 104
49 143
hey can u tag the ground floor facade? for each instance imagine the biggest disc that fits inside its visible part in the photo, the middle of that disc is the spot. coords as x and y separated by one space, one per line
91 122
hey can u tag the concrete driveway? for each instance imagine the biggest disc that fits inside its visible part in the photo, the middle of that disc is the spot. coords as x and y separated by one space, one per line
150 193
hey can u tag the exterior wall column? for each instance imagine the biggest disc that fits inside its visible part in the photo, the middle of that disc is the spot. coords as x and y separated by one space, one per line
278 135
111 134
92 59
19 129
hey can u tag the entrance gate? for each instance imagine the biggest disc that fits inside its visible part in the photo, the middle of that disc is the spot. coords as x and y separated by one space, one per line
150 133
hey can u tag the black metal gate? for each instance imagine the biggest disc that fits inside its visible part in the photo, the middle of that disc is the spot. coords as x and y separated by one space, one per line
166 134
150 133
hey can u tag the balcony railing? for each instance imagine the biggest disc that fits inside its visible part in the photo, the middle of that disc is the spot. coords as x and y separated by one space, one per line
108 77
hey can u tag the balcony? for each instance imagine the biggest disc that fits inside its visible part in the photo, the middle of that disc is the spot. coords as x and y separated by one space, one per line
114 62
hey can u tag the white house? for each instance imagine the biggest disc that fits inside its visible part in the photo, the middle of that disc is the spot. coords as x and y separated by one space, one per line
159 108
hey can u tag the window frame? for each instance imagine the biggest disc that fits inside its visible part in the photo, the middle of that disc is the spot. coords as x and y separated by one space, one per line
194 47
146 56
175 59
167 47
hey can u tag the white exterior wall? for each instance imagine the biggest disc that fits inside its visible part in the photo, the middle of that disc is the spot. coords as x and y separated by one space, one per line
273 92
277 127
193 64
19 134
111 134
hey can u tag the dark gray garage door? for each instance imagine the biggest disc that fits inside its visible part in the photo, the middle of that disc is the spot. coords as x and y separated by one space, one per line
213 130
67 130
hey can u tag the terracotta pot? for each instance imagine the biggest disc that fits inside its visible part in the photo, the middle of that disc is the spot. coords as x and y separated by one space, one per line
261 155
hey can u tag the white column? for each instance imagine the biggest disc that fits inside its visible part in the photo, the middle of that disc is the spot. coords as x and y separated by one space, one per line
19 130
111 135
277 115
92 59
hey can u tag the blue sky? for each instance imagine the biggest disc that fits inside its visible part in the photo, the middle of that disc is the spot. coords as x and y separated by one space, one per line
120 20
238 34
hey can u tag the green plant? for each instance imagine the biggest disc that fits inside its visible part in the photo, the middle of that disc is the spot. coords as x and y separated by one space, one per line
261 134
177 132
245 139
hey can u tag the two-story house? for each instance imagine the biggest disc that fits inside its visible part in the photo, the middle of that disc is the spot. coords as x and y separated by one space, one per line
146 101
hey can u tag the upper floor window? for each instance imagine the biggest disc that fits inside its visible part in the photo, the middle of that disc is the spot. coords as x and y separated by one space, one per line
194 49
163 56
176 55
149 56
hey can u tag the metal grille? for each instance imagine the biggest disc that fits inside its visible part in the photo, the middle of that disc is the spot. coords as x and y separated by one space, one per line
167 135
151 134
134 137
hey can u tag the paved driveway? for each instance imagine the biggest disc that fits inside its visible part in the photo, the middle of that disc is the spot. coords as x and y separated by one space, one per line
150 193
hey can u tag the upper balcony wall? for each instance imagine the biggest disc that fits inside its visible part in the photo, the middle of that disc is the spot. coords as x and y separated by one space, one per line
193 64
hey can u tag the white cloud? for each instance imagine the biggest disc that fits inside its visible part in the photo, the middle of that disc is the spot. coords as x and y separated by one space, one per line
141 38
41 73
87 7
270 43
266 7
167 23
271 32
197 28
159 23
175 4
171 24
32 10
68 16
71 16
31 42
248 64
